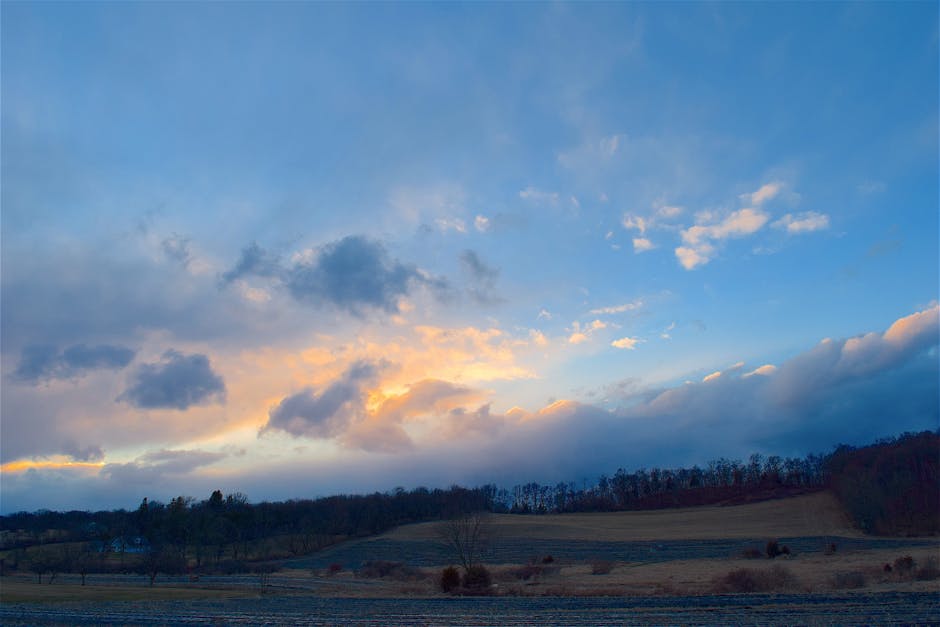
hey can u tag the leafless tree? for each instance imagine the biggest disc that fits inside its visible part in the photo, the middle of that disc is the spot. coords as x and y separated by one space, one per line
468 536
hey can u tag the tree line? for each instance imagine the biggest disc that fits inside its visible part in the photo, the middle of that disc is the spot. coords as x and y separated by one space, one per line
889 487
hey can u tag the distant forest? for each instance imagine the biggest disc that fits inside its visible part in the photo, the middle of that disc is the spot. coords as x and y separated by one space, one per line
891 487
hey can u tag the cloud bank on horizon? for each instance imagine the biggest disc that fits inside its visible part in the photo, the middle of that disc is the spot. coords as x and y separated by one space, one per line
359 249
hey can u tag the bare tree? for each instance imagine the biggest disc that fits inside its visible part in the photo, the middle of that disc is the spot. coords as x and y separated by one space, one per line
468 537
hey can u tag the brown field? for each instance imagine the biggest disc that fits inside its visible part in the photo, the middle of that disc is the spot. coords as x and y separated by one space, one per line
811 515
813 572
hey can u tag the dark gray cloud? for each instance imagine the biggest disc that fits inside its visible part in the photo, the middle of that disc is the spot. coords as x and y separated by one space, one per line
353 274
110 294
254 261
178 381
482 278
40 362
90 453
327 414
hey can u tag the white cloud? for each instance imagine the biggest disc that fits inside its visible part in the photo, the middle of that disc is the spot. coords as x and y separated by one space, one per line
641 244
482 223
691 257
627 343
451 224
669 211
766 370
765 193
616 309
581 333
537 337
803 222
544 314
699 239
538 196
631 221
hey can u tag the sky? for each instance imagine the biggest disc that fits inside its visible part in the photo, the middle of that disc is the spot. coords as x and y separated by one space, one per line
297 249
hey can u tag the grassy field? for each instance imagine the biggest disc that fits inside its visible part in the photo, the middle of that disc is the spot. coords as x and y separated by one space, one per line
674 553
811 515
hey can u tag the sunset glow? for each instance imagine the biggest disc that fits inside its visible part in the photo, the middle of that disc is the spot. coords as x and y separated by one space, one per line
297 249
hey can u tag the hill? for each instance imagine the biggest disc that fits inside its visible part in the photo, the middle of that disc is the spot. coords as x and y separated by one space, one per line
817 514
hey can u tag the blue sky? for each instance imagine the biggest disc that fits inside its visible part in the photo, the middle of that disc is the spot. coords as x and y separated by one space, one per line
401 244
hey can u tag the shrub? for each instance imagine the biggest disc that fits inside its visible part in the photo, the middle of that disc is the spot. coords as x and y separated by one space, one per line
904 566
849 580
773 549
333 569
601 567
830 548
785 550
548 559
929 571
450 579
753 580
751 553
477 578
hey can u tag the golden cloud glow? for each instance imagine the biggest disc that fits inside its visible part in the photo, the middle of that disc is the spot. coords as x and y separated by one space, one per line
22 465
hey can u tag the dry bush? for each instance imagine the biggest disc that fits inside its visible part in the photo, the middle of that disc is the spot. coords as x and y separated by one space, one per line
450 579
477 578
754 580
773 549
849 580
524 573
929 571
904 567
601 567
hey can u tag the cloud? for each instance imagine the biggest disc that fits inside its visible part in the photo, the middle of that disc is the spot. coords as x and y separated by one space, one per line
177 381
346 410
699 239
451 224
353 274
765 193
327 414
89 453
538 196
803 222
639 223
617 309
641 244
692 257
254 261
669 211
39 363
177 248
483 278
592 154
581 333
628 343
766 370
156 466
481 223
